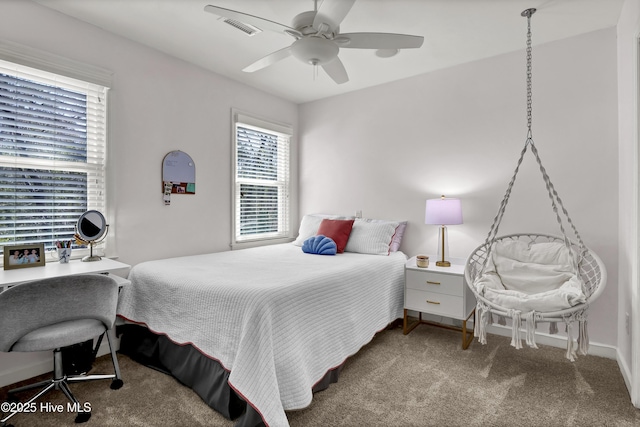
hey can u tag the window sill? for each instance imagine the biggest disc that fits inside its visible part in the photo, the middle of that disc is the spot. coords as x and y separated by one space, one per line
262 242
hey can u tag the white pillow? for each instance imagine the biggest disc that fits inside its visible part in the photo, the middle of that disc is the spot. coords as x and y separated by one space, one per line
529 277
532 268
369 237
397 237
310 224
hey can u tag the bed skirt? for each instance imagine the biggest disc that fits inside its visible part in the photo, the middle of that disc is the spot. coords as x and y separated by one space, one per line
201 373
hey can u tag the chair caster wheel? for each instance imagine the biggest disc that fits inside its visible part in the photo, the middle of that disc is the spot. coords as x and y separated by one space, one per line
82 417
116 384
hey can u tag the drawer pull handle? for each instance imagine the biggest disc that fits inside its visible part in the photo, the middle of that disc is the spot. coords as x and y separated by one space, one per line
432 283
433 302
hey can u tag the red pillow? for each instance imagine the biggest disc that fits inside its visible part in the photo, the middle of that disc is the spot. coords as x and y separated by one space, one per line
338 230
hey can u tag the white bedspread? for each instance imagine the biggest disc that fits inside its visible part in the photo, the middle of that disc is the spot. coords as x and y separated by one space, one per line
278 319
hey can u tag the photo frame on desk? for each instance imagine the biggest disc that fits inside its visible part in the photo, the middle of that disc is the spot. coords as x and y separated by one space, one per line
24 256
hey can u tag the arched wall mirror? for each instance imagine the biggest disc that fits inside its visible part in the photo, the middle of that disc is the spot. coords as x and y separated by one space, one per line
178 175
91 229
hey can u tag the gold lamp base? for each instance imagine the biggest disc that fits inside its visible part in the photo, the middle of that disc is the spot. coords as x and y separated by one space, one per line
442 262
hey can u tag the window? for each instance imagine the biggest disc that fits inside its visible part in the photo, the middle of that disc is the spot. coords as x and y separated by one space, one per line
261 180
52 154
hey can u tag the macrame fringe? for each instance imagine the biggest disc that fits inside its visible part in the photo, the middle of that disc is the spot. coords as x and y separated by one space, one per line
583 338
515 328
480 327
571 351
530 319
581 345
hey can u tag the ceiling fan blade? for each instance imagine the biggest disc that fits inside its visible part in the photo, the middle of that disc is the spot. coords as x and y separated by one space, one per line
254 21
270 59
331 13
335 69
378 41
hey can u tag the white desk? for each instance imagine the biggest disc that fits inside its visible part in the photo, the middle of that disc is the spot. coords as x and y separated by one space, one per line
116 269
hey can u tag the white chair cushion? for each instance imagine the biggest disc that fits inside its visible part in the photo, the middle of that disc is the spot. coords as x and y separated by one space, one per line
536 276
61 334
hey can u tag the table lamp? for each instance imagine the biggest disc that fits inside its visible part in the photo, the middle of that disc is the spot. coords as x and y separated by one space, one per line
443 212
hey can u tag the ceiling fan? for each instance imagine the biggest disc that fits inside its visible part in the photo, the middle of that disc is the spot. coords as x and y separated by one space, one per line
317 37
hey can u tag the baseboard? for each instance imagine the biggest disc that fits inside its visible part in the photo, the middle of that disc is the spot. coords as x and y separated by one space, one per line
625 371
22 366
560 341
21 369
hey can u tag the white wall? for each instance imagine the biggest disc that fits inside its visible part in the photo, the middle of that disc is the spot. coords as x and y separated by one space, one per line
157 104
628 87
459 132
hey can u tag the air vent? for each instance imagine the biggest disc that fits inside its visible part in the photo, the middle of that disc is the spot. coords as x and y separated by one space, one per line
249 30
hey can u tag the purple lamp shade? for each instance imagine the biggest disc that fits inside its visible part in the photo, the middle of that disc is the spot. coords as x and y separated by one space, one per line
443 211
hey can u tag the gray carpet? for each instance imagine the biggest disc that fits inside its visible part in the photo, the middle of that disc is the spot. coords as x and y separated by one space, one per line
421 379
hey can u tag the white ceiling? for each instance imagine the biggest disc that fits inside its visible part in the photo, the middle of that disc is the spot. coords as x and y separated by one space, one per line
455 32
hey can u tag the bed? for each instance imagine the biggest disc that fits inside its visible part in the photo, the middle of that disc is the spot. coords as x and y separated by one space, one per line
278 322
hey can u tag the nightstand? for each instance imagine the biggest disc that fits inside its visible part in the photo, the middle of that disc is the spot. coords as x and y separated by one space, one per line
440 291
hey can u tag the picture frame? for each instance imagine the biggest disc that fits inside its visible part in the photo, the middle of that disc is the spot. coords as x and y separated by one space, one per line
24 256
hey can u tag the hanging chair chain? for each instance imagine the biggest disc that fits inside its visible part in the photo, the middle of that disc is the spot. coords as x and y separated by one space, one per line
553 194
529 91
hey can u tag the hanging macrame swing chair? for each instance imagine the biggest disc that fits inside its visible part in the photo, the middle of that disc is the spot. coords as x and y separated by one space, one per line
534 278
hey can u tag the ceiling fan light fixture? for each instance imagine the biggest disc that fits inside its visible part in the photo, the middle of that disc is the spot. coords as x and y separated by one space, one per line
386 53
314 50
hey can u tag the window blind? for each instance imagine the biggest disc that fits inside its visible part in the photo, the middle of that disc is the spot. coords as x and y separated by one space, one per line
52 154
262 180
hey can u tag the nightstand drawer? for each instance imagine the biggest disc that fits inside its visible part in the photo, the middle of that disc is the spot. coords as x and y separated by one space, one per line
434 303
435 282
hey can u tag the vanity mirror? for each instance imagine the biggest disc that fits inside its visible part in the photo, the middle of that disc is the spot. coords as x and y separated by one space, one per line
91 229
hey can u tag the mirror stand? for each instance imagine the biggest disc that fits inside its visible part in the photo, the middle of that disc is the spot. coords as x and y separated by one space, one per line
92 243
91 256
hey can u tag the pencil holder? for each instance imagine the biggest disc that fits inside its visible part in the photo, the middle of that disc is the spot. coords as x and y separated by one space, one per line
64 254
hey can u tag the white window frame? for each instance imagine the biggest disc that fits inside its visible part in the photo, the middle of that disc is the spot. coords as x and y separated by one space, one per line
71 74
285 135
